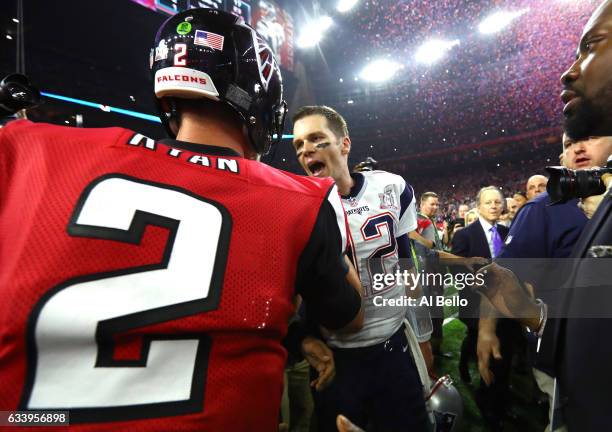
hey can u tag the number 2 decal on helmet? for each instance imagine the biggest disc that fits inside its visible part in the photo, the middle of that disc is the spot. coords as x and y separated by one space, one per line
181 54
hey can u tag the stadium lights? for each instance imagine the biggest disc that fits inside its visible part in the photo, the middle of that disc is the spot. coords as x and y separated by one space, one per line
434 50
346 5
499 20
380 70
313 32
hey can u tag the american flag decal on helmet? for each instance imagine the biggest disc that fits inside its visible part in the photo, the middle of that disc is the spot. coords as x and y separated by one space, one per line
265 60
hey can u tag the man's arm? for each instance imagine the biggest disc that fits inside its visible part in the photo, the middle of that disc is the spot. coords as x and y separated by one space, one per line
353 279
418 237
460 244
488 342
511 298
448 259
330 289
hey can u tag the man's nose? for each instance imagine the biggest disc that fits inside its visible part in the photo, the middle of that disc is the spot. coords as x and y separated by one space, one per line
579 147
570 75
309 148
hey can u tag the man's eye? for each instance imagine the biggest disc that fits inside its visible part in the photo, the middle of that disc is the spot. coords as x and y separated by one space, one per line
590 45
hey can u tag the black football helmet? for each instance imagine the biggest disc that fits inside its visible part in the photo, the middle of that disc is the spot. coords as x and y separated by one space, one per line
207 53
369 164
16 93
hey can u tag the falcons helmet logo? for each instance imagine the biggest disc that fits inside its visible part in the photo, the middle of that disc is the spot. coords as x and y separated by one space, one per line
265 60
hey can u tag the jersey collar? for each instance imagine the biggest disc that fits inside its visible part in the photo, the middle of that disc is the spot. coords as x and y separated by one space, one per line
200 148
359 180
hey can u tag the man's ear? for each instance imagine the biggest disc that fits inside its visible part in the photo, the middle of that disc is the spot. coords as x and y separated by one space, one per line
346 145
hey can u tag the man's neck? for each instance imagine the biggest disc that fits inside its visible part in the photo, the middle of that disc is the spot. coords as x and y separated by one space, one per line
427 215
345 183
492 223
199 129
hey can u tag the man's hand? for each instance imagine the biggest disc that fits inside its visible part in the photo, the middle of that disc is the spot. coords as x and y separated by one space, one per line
344 425
488 345
507 295
589 205
320 357
414 235
474 261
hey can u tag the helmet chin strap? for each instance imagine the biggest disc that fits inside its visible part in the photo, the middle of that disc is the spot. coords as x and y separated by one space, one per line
279 122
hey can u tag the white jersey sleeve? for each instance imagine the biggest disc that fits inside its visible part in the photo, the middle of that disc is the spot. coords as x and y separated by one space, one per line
408 213
334 199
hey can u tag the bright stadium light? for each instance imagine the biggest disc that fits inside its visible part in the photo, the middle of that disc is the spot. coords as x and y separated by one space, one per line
434 50
380 70
499 20
313 32
346 5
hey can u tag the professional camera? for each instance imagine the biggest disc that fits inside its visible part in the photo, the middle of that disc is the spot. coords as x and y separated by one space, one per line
16 93
565 184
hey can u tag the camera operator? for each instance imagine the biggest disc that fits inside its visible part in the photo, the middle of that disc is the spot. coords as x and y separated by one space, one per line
578 349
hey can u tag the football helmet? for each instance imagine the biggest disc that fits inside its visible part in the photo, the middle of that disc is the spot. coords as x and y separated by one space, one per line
207 53
369 164
446 404
16 93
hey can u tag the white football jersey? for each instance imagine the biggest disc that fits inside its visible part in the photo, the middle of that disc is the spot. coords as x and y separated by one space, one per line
380 208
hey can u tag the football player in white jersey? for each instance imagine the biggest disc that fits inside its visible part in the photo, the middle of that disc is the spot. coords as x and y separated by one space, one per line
377 383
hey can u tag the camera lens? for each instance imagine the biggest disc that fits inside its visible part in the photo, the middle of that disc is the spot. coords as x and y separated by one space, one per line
565 184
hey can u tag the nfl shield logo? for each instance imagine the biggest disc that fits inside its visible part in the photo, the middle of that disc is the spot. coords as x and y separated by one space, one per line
353 202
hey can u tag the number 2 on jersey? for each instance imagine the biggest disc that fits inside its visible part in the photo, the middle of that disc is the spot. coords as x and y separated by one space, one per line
374 230
70 335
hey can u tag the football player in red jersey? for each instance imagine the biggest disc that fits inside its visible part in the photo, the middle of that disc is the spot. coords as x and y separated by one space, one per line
147 285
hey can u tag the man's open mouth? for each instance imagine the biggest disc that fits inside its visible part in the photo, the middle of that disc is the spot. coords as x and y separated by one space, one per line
316 168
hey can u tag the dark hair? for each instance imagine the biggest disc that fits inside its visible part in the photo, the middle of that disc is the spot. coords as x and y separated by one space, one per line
521 193
335 121
428 195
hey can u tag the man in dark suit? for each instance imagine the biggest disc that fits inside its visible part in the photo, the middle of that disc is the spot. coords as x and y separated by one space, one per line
485 238
581 346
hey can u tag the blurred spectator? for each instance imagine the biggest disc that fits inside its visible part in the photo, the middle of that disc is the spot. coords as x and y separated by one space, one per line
536 185
520 199
471 216
510 211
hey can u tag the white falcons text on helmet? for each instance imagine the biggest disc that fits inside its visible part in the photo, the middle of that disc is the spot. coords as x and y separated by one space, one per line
184 82
266 63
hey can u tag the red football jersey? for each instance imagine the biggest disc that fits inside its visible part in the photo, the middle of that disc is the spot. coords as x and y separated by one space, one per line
145 286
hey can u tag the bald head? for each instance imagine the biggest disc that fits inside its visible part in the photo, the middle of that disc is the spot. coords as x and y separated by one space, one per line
536 185
602 11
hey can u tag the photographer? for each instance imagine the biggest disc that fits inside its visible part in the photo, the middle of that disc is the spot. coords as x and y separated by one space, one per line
578 349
